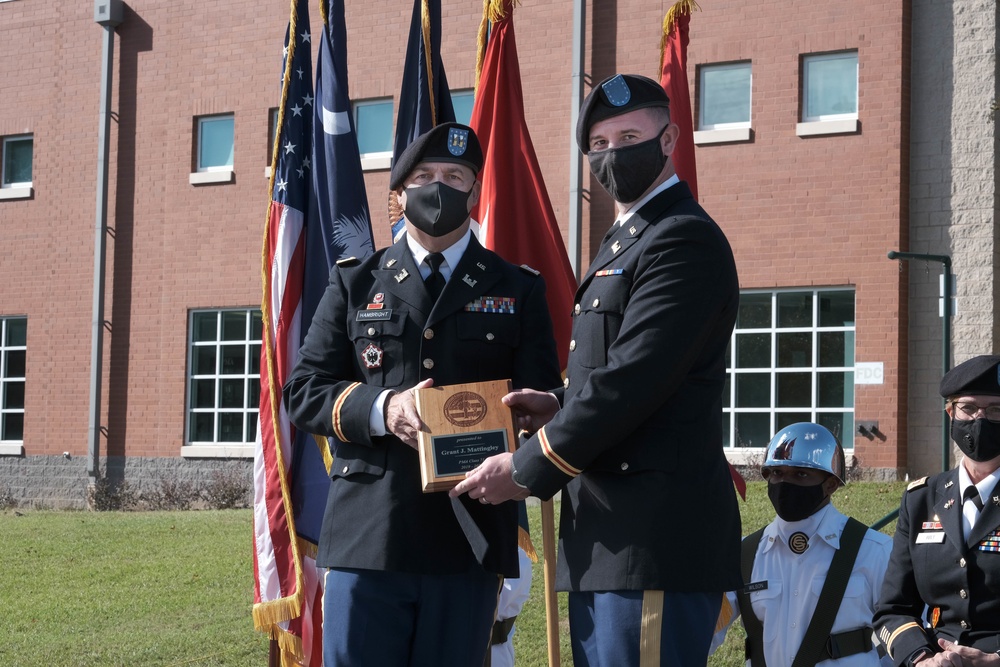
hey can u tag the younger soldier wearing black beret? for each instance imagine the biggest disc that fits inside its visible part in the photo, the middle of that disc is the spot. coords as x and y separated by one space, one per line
940 602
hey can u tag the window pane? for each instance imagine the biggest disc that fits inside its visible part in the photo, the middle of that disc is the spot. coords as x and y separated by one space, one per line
13 426
202 393
838 423
256 325
835 390
836 348
17 332
795 350
231 393
836 309
462 101
215 146
203 327
753 350
753 429
755 311
17 158
13 396
234 325
783 419
231 427
793 390
725 94
253 393
203 360
251 425
794 309
202 426
233 357
831 83
15 364
255 360
753 390
374 127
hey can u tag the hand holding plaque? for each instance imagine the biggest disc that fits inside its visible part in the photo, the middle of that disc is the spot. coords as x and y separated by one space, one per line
466 424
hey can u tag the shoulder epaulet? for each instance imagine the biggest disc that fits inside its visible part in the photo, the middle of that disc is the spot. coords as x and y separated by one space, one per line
916 484
348 261
530 270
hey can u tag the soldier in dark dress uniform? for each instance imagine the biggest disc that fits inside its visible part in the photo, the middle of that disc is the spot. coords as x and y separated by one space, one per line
649 536
405 586
940 602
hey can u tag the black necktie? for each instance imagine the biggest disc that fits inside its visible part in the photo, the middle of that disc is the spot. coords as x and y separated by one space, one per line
972 493
435 281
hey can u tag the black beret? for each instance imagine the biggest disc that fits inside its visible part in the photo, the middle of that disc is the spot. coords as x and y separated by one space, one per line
979 375
614 96
448 142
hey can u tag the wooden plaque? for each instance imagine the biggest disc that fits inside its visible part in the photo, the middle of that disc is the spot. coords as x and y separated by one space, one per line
466 424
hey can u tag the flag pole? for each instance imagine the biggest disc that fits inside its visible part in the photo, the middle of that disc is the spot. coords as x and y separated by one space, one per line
549 570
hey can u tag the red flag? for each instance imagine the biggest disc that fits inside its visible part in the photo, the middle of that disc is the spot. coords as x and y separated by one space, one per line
673 78
517 219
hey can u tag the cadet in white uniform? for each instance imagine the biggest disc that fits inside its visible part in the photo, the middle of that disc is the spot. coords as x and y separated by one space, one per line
789 567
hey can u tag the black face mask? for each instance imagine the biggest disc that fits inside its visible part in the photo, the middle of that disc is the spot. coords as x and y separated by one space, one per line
793 502
978 439
628 172
436 209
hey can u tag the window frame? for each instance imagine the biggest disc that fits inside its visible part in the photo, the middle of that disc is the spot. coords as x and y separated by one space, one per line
731 411
807 58
374 159
7 140
10 446
199 142
217 447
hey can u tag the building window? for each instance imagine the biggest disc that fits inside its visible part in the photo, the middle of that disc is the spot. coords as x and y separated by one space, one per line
462 101
791 359
373 123
13 352
830 86
215 143
17 158
223 376
723 103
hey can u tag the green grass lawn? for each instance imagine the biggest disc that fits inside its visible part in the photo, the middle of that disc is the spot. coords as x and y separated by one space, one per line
175 588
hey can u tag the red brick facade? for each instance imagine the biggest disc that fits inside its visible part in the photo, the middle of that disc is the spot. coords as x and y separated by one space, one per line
813 211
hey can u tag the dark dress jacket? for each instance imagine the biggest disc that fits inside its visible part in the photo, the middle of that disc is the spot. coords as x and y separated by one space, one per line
377 516
933 565
648 501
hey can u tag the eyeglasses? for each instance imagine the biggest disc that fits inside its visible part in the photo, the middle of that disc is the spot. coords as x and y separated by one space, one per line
968 411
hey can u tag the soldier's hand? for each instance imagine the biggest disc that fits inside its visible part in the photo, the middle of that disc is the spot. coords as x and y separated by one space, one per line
492 482
532 409
955 655
401 418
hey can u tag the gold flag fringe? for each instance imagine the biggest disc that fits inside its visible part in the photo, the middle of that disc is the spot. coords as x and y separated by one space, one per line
493 11
425 29
680 8
266 615
524 541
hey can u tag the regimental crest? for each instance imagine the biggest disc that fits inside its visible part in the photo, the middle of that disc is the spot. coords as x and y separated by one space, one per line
616 91
458 141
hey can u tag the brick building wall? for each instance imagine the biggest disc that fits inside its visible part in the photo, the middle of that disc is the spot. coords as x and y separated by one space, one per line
800 212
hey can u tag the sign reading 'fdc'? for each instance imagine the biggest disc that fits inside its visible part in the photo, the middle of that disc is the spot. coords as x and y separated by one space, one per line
868 372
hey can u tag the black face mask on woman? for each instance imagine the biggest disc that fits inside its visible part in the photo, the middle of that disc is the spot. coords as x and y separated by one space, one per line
436 209
979 439
793 502
627 172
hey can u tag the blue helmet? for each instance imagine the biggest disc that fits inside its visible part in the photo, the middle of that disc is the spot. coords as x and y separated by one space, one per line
805 445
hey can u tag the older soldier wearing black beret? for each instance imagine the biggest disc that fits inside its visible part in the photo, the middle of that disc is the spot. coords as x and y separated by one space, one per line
940 602
649 537
413 578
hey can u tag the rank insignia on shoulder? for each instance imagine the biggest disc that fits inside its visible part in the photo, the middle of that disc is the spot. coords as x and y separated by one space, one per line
348 261
492 304
530 270
610 272
916 484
